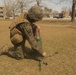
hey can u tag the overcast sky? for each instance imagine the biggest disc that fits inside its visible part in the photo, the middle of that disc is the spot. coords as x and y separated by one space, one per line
54 4
57 4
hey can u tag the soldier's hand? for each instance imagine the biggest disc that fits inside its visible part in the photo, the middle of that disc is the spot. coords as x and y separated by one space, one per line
44 54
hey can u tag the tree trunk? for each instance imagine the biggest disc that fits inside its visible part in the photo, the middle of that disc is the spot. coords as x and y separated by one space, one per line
13 14
38 3
73 12
21 7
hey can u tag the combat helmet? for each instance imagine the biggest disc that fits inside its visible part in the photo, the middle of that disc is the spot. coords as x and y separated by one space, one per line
35 13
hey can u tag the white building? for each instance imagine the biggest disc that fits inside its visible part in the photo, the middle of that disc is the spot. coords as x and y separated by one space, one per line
2 12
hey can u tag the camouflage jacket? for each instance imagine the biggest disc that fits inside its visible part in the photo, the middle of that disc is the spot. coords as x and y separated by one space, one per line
26 28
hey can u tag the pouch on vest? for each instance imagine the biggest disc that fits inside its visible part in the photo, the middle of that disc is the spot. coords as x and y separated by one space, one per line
15 31
16 39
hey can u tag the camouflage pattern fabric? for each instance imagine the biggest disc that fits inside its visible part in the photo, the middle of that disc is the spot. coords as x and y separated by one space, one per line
16 52
15 36
18 20
36 32
27 34
15 31
35 13
21 30
17 39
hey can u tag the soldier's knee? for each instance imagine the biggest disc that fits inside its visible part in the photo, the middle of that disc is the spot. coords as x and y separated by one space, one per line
19 53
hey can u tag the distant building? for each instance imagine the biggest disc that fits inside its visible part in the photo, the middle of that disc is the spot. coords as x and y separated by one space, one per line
2 12
67 14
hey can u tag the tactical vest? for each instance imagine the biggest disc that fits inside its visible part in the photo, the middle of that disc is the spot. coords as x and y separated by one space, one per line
15 34
18 20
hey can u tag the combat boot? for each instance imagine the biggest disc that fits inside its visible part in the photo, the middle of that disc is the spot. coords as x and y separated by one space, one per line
4 49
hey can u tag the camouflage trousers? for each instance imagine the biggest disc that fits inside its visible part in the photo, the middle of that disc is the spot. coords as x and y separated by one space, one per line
18 51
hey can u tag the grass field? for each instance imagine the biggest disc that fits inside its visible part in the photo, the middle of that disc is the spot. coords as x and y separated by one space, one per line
57 36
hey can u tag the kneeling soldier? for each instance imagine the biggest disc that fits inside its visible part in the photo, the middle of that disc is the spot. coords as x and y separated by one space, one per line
22 29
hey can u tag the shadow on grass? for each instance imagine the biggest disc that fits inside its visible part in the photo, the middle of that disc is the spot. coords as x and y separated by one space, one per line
28 54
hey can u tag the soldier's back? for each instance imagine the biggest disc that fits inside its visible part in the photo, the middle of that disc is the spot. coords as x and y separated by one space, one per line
20 19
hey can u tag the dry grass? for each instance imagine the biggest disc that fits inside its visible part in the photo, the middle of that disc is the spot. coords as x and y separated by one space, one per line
57 37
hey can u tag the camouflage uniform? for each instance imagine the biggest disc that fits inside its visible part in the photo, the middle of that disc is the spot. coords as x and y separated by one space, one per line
23 29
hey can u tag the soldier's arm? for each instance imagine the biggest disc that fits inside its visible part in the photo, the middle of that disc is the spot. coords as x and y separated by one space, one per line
37 36
30 37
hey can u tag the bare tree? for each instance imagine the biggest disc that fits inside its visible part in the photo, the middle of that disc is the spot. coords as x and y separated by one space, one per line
73 9
10 8
66 10
13 6
7 8
38 2
47 11
55 13
22 4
